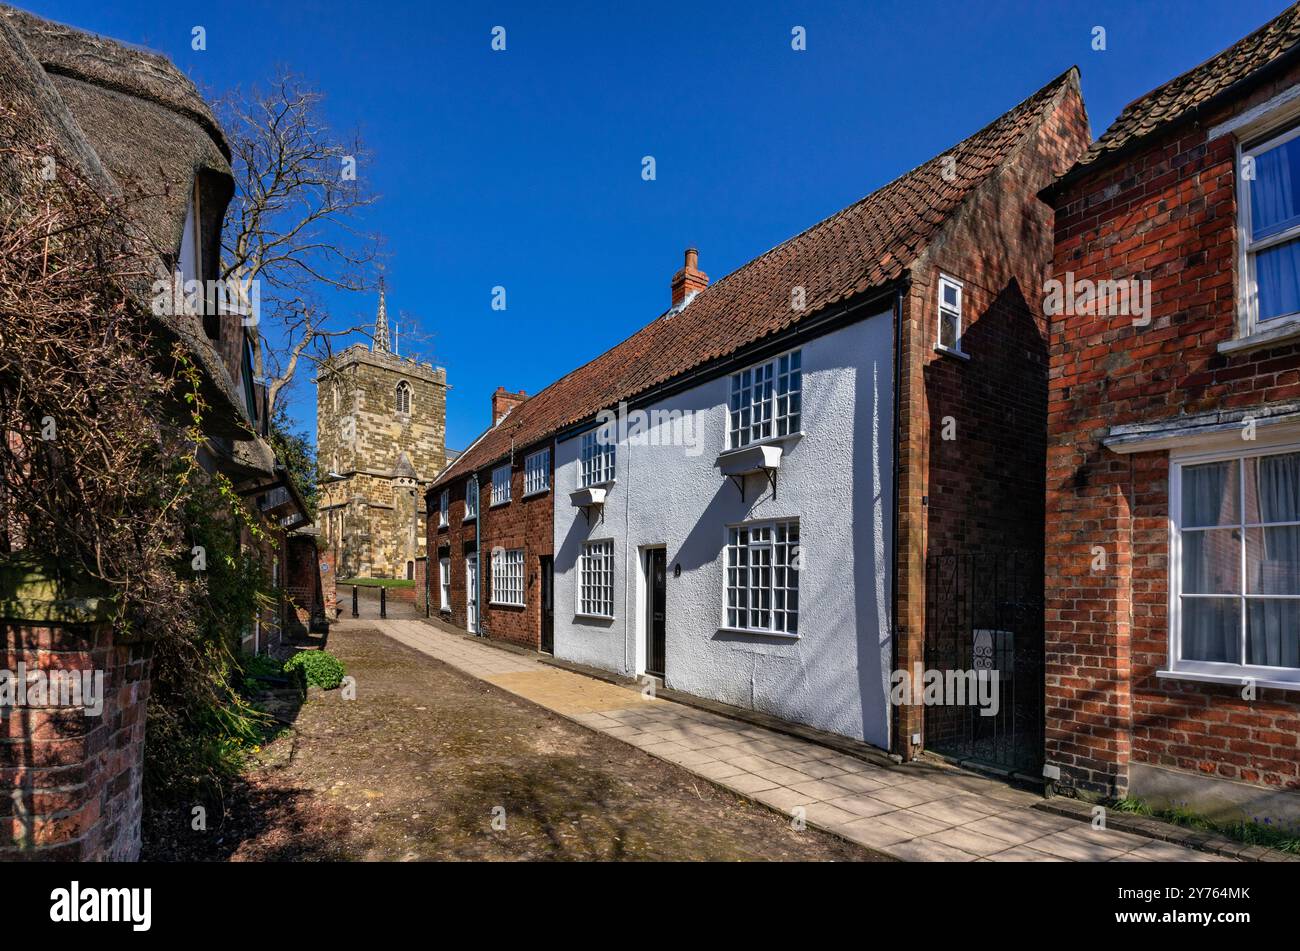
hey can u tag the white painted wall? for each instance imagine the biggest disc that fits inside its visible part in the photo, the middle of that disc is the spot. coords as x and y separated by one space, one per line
836 478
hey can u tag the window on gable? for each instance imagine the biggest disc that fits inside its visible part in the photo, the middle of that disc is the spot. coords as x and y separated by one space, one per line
444 504
762 577
508 576
404 398
471 499
766 400
537 472
951 293
500 485
1269 199
1236 576
597 458
596 579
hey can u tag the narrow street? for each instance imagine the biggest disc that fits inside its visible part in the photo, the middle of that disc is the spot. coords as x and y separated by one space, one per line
426 757
455 749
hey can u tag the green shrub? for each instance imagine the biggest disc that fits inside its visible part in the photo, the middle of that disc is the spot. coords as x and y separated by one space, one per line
322 669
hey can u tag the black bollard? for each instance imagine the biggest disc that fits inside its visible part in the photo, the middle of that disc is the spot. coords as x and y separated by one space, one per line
354 601
383 602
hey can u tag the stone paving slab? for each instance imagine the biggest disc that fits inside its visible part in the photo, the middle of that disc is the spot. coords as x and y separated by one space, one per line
911 812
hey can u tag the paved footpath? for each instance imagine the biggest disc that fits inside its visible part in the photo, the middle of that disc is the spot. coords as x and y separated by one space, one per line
913 812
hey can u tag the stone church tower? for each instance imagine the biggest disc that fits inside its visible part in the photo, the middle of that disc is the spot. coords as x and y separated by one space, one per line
381 424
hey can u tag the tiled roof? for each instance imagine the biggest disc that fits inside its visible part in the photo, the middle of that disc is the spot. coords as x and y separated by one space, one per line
867 245
1196 87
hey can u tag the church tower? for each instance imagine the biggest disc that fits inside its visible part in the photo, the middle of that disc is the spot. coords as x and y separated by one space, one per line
381 424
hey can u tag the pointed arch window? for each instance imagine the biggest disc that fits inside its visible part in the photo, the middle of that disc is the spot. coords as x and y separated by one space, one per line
404 398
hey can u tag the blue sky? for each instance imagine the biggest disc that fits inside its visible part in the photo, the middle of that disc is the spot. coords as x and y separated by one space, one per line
523 168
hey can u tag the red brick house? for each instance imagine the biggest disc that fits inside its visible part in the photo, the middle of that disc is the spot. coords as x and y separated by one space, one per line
908 327
491 539
1173 478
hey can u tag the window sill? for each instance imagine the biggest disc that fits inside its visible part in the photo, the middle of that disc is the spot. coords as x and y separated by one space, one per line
506 604
536 492
497 505
469 518
600 485
753 633
951 352
446 611
1288 332
1234 680
593 617
769 441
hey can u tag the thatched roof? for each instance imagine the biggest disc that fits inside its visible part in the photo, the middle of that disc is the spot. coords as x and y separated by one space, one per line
136 128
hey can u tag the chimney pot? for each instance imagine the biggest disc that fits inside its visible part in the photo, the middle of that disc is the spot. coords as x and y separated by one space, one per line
689 281
503 401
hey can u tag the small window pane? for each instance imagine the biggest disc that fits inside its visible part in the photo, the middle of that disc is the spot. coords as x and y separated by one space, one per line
1277 280
1274 201
1273 489
948 327
1210 494
1273 560
1212 629
1212 561
1273 632
951 295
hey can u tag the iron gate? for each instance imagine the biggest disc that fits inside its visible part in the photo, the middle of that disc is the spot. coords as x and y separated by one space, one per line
984 613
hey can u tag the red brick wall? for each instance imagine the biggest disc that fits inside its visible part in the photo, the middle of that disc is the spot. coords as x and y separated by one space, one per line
521 523
981 490
1168 214
77 777
421 579
302 583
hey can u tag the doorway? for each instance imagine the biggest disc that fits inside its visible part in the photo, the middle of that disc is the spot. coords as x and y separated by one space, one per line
984 617
656 602
471 593
547 571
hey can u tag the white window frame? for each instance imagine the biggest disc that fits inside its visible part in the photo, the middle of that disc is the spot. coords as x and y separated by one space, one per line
776 376
1285 678
730 622
596 567
508 577
537 472
946 280
598 459
501 485
471 499
444 583
444 506
1249 323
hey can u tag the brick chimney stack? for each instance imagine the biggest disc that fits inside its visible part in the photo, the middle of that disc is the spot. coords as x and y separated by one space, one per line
690 280
503 401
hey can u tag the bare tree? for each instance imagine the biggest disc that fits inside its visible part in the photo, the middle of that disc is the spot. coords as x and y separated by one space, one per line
295 224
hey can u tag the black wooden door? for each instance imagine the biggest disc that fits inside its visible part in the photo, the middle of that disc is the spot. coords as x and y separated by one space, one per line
548 604
658 571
